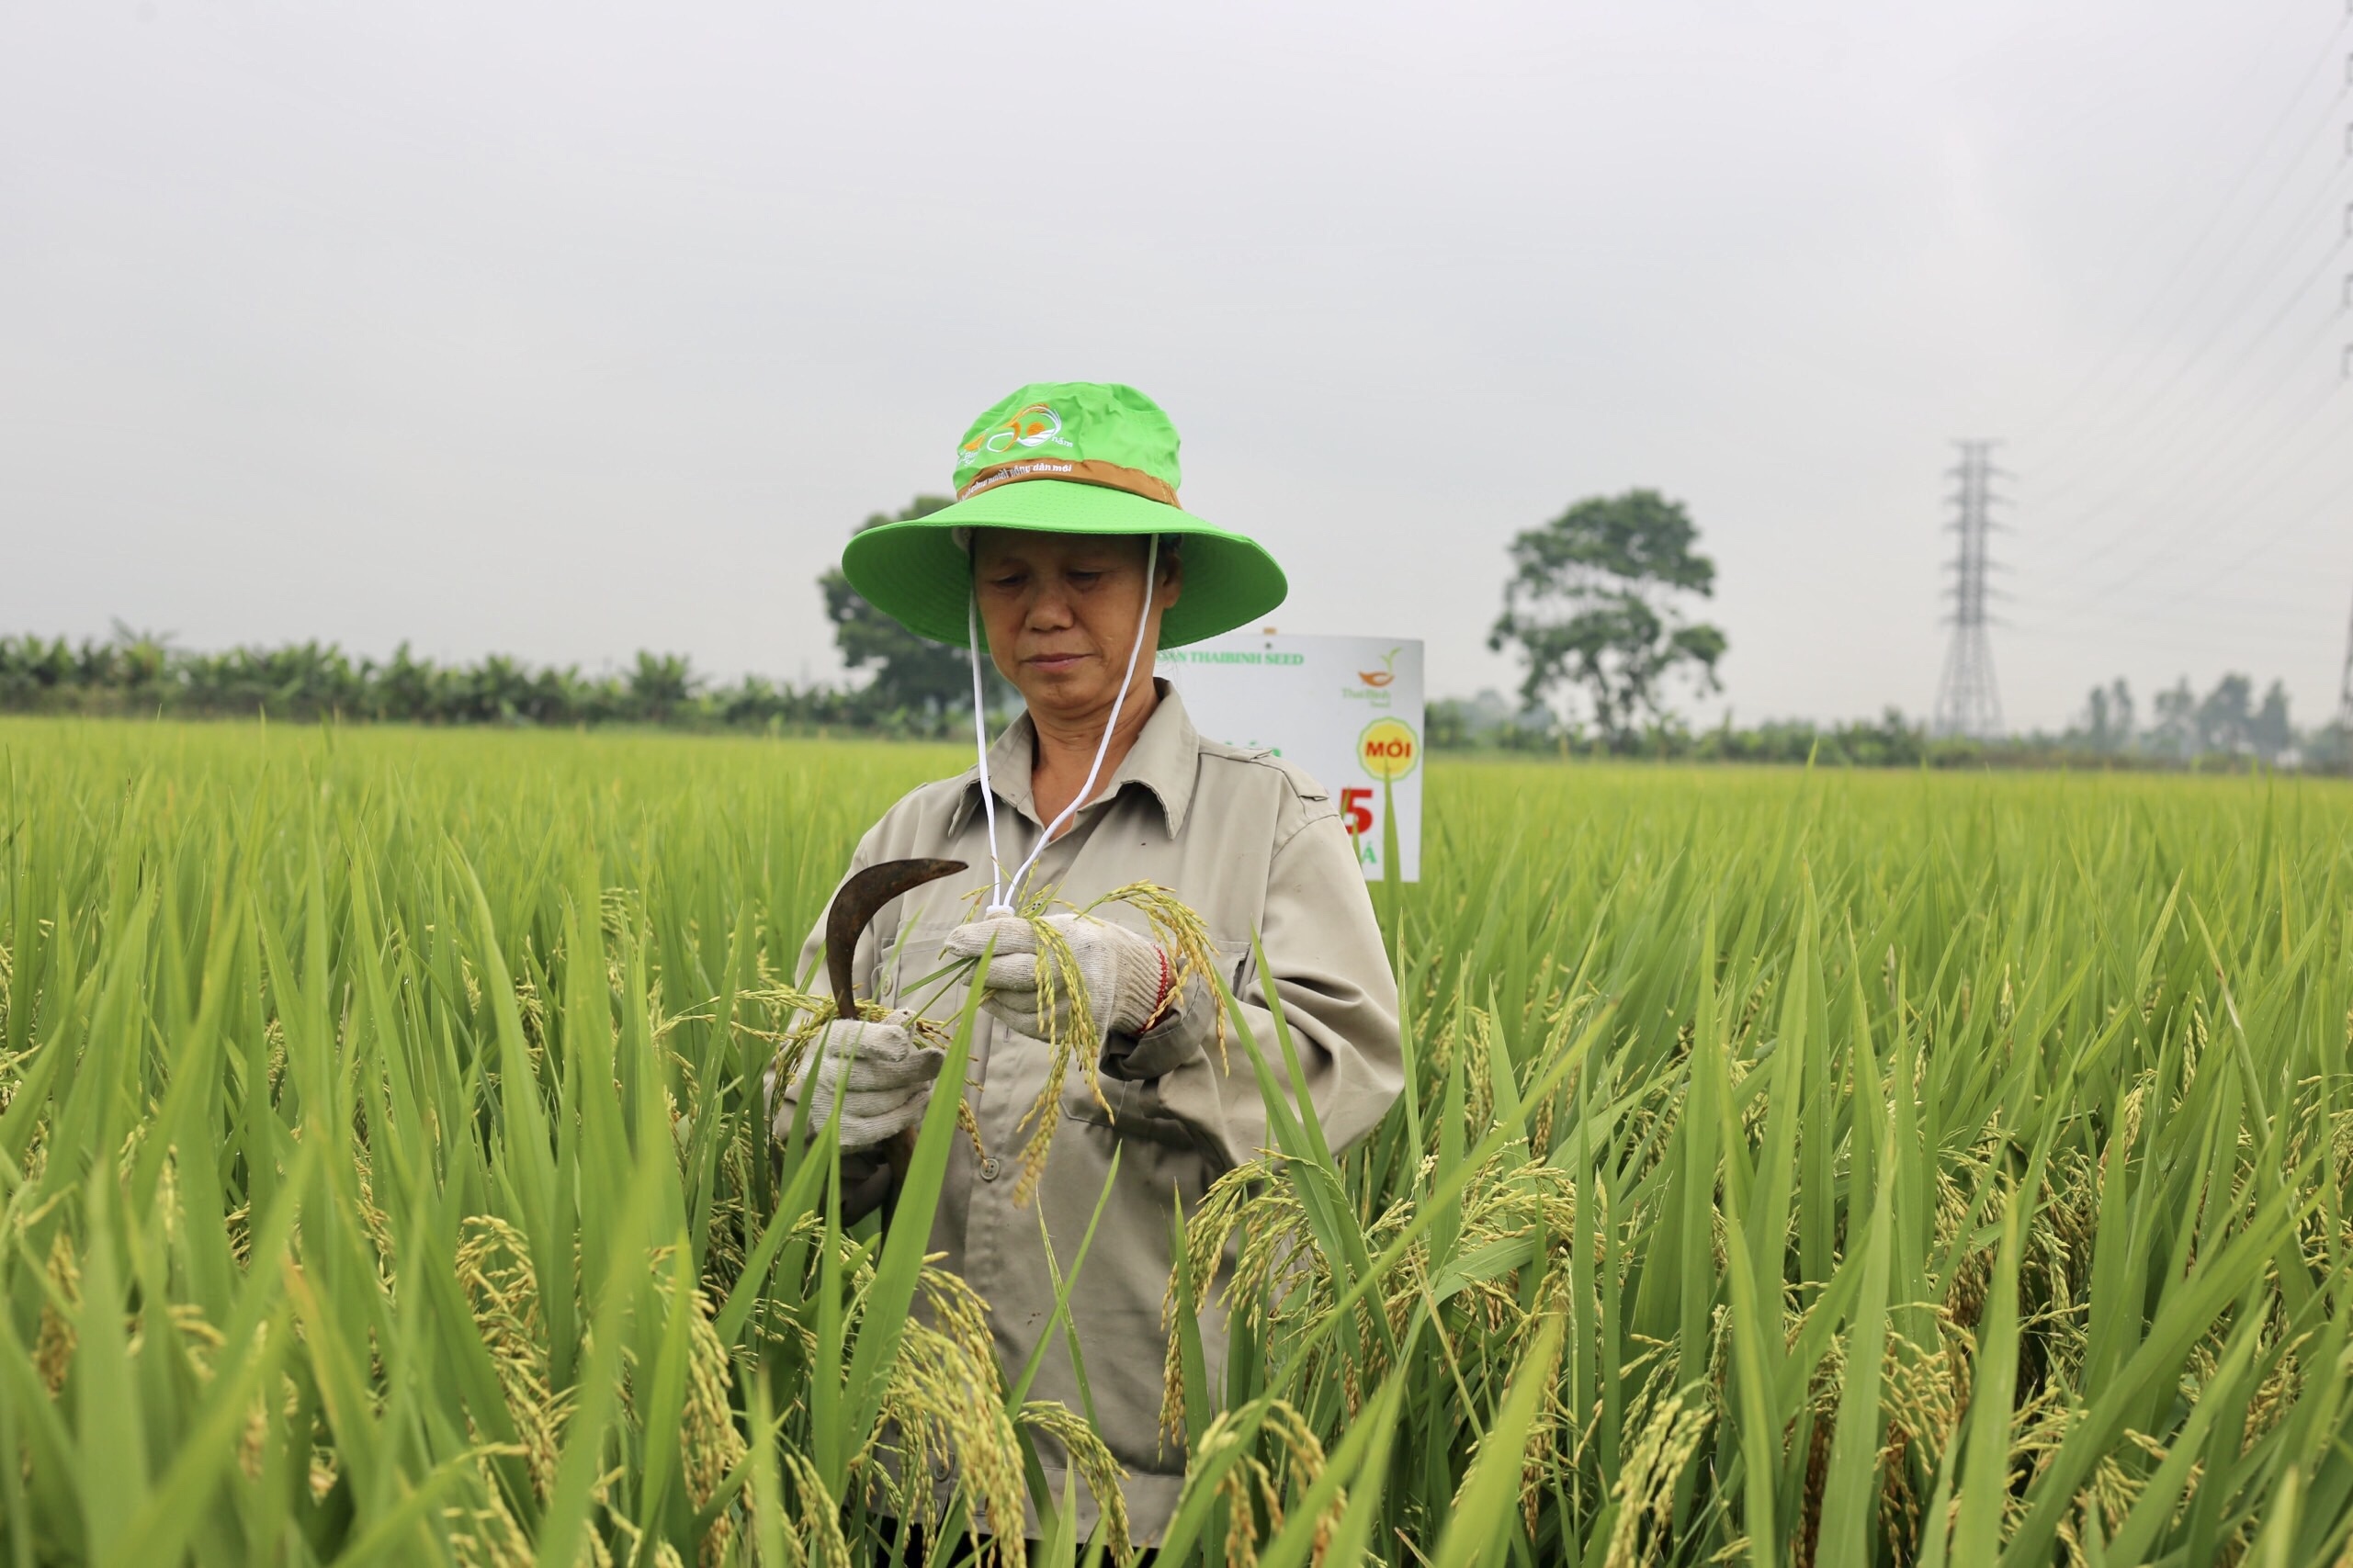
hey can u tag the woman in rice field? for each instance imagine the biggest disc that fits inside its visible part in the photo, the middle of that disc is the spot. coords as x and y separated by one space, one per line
1066 550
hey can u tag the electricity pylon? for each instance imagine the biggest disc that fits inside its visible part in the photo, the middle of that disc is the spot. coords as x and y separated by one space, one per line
1968 702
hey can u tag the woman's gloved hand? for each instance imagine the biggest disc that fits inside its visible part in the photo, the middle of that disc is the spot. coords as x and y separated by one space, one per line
1126 978
881 1076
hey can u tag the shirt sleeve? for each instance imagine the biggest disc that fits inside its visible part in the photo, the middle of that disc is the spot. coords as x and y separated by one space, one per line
1326 965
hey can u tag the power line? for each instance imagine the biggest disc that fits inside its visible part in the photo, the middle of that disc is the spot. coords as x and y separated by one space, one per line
2200 518
2222 644
2168 421
2176 510
1967 701
2222 446
2225 453
2200 589
2255 159
2150 419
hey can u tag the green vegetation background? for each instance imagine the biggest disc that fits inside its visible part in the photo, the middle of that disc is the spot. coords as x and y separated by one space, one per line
1836 1168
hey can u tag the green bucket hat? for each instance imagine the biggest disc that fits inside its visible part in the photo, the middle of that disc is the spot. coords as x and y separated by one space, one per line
1063 458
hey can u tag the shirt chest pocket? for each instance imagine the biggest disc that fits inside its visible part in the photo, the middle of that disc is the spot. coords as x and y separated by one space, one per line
911 972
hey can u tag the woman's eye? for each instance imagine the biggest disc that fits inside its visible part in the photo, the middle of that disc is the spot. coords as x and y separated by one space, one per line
1086 579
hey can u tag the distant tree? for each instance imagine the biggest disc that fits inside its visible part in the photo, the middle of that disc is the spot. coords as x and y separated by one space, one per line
409 689
1446 724
2096 730
754 700
556 696
2225 718
496 691
911 673
2108 717
31 671
301 680
1893 742
661 687
139 672
2330 747
142 666
2270 732
1597 600
2176 731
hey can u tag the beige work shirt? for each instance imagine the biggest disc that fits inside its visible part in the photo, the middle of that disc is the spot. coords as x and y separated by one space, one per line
1253 845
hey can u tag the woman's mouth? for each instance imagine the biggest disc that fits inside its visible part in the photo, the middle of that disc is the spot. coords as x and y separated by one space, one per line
1054 663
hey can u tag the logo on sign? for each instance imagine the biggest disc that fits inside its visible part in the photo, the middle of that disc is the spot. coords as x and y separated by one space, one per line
1389 749
1372 686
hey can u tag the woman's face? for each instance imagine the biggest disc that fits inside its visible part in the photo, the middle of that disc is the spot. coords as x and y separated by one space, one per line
1061 610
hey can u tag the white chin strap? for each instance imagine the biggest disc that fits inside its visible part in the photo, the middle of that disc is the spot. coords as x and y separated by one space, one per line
1001 892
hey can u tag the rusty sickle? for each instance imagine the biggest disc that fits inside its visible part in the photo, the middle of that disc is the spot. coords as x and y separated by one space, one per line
854 908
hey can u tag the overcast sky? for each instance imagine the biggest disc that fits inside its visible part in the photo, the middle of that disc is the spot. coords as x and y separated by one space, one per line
565 330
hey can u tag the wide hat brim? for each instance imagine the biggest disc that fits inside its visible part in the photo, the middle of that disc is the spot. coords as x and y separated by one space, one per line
918 574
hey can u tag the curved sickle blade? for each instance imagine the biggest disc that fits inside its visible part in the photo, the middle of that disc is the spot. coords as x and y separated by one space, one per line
855 908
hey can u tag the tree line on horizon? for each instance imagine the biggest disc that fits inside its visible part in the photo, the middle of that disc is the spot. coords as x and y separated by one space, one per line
1597 606
2224 729
138 676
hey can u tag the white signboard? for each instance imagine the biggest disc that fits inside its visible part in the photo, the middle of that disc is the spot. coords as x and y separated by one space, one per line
1347 709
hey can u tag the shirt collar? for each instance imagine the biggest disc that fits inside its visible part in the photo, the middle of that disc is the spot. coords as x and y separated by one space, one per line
1165 760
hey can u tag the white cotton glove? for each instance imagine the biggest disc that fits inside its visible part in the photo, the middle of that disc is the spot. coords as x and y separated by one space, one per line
1125 978
882 1077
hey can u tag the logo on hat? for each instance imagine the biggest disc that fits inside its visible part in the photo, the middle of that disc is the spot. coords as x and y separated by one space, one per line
1036 426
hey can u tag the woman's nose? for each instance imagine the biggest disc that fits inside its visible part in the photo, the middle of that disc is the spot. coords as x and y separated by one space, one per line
1049 611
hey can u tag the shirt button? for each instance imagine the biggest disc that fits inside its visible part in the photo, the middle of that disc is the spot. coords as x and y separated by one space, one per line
989 1169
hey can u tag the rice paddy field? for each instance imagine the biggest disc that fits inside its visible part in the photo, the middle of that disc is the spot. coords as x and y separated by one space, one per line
1796 1166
